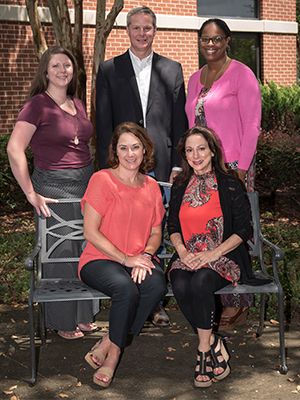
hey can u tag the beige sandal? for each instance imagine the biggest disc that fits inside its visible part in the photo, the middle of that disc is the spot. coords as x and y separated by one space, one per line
105 371
91 327
95 351
77 334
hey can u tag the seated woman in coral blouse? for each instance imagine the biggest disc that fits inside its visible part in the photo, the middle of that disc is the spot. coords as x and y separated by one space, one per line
123 211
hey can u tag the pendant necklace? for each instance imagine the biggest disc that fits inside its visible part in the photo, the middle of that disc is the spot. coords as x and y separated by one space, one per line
218 74
75 127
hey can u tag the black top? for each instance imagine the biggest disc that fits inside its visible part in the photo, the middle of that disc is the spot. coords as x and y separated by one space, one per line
236 213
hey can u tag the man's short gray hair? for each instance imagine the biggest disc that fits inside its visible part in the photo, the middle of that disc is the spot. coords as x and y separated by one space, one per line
138 10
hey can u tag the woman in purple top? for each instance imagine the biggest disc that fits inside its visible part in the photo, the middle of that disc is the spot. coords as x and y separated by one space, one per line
225 96
56 126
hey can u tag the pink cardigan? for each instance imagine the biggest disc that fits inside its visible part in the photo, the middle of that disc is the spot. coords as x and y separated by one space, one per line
232 109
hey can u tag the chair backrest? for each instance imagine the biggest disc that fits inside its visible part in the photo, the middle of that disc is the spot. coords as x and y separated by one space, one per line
61 235
255 246
62 240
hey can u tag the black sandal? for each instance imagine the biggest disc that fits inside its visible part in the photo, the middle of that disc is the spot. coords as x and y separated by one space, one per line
204 362
216 363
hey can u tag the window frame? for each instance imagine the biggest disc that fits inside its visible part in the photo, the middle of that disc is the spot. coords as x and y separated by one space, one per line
256 12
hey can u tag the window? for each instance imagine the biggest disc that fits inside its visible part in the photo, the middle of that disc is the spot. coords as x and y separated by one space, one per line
243 47
228 8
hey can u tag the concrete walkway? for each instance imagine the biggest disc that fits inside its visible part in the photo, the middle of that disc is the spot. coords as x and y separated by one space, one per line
159 364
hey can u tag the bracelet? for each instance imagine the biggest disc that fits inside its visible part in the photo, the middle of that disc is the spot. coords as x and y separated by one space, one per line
148 254
178 245
124 260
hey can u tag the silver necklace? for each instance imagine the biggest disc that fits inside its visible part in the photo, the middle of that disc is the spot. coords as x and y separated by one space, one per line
218 74
75 127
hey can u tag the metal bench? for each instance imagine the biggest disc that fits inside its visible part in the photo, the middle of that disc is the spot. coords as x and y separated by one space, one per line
61 233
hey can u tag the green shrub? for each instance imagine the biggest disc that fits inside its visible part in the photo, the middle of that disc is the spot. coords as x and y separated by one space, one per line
279 104
10 191
15 245
278 148
286 237
278 159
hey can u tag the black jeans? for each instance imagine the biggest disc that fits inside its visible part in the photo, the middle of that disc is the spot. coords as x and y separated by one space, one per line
194 292
131 303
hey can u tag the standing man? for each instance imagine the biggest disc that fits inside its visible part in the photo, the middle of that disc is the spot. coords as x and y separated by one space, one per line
146 88
143 87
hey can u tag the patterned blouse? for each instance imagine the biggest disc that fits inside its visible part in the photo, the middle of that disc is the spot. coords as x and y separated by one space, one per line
201 221
200 119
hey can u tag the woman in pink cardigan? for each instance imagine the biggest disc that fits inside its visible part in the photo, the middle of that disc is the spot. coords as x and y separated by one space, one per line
225 96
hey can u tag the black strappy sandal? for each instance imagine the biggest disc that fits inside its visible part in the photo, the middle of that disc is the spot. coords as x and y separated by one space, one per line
204 362
216 363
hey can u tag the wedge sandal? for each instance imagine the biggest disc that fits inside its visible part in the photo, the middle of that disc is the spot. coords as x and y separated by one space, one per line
203 362
219 364
104 371
95 351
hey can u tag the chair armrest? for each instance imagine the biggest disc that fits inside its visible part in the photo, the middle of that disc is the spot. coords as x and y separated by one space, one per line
277 251
29 264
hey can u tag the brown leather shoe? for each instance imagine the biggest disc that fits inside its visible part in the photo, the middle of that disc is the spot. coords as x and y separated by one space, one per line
159 317
238 318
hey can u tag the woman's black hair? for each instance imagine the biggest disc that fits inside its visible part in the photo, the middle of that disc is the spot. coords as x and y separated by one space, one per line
220 23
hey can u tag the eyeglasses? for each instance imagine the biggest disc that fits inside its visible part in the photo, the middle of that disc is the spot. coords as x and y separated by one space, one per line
215 39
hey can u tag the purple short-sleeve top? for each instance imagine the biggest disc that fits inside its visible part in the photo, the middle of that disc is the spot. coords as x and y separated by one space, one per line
53 143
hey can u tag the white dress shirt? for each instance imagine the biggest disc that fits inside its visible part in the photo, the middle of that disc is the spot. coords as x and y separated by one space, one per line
142 69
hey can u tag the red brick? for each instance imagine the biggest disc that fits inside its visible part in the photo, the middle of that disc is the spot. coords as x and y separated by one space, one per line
19 63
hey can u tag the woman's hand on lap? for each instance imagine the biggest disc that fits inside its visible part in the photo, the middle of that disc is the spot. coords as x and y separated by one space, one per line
207 256
140 265
189 259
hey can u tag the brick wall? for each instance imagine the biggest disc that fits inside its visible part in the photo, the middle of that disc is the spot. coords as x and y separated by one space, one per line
279 59
275 10
18 66
174 7
18 61
178 45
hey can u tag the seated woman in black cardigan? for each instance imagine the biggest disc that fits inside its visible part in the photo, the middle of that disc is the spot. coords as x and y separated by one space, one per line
208 225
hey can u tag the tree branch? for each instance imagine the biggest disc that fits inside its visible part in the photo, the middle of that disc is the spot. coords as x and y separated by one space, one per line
39 41
54 11
65 24
77 49
102 30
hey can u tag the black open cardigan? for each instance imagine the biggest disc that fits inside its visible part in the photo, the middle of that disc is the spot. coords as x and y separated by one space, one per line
236 213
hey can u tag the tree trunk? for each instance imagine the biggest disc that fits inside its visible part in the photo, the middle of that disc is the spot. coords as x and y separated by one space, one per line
103 29
77 49
40 45
54 11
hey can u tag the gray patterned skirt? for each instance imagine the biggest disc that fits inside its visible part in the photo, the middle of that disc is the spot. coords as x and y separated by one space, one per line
72 183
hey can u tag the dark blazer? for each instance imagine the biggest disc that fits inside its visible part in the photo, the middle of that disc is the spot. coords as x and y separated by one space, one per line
118 100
